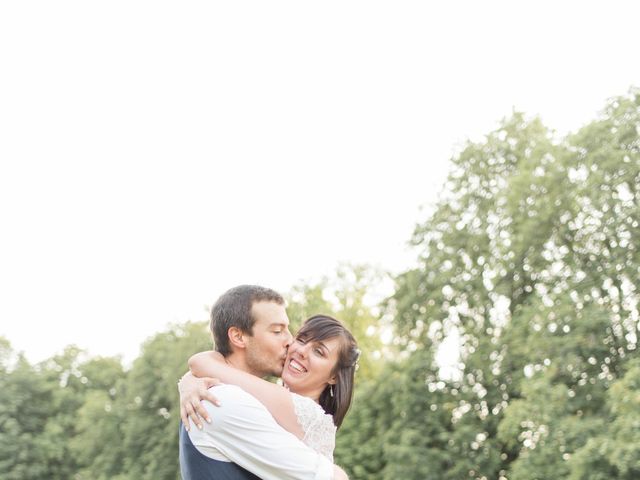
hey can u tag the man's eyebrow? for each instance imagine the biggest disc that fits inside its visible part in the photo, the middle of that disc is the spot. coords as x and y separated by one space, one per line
278 324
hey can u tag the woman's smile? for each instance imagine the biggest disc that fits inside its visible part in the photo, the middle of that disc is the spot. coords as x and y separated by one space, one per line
296 366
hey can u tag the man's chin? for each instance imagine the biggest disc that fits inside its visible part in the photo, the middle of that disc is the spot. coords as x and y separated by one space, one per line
277 372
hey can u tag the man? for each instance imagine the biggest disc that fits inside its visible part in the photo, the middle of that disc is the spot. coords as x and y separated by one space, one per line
241 440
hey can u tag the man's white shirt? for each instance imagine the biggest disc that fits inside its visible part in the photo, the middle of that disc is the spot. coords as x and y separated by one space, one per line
243 431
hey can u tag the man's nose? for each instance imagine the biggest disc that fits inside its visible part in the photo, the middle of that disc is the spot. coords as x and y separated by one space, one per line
289 339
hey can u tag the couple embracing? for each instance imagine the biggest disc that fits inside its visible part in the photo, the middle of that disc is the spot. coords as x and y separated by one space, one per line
248 427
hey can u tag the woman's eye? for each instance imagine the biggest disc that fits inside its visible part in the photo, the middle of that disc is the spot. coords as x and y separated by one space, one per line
319 352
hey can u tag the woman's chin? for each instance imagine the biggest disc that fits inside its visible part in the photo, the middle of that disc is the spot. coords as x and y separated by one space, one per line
287 379
291 381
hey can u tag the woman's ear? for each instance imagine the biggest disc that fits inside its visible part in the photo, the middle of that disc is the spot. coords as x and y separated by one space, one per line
236 337
333 380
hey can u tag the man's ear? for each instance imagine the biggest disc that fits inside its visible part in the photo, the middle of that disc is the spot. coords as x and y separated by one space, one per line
236 337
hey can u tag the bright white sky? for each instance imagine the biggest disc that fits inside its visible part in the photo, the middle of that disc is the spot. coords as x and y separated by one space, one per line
154 154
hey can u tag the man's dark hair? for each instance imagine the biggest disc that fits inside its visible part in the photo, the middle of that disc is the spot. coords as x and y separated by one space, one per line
233 309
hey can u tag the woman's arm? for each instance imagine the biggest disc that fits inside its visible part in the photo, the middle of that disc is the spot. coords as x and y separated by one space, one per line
275 398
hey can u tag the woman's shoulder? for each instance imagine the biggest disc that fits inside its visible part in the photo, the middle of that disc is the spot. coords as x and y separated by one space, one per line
319 429
306 407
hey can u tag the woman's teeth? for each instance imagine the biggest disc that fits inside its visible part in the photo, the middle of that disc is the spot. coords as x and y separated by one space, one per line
297 367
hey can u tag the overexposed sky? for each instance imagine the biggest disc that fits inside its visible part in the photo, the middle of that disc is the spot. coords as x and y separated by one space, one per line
154 154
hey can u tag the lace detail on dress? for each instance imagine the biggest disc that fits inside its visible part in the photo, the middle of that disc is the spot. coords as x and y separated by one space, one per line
319 430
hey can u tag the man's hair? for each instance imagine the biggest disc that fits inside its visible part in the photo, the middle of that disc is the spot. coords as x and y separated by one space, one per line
233 309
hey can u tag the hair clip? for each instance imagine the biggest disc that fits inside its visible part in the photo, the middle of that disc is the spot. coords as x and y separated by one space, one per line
356 363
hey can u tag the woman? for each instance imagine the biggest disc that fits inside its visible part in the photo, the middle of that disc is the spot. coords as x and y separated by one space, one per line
318 376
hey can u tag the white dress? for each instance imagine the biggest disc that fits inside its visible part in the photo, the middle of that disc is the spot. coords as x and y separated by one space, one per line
319 430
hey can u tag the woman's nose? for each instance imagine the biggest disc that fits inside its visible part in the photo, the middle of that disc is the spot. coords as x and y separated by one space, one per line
304 349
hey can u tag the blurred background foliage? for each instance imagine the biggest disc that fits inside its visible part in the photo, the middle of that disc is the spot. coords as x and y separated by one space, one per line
527 273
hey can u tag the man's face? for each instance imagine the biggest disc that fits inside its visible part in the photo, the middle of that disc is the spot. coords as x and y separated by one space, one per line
266 349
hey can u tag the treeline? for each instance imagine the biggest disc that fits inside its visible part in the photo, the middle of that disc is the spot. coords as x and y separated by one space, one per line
529 262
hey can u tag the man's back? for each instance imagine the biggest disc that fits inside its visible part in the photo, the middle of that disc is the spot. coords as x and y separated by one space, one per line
196 466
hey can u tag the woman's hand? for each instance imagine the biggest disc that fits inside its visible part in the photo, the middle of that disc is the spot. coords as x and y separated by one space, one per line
192 391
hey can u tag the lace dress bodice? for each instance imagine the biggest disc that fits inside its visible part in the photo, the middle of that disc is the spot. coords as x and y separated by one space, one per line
319 430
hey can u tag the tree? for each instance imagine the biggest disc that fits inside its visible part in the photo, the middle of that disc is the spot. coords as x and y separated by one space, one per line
614 451
150 402
24 397
98 445
530 258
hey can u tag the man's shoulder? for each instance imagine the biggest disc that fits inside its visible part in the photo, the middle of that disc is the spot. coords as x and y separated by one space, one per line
238 410
235 401
232 392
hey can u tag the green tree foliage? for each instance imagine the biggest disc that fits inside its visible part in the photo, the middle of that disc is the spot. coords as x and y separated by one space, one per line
98 445
150 435
614 450
39 415
531 260
78 417
24 395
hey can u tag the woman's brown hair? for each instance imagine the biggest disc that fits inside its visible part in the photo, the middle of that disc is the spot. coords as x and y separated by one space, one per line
335 399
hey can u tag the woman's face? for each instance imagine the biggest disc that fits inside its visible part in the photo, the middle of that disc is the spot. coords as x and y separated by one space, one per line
308 367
